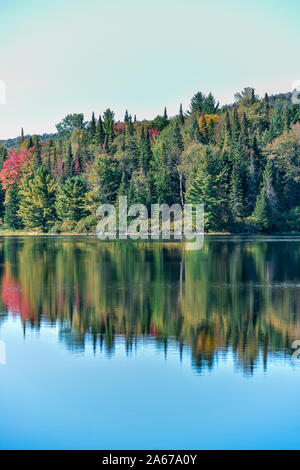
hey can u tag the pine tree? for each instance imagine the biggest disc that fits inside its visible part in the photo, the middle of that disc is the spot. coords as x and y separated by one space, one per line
69 163
226 131
244 134
92 128
145 151
36 208
37 161
126 117
236 192
235 128
11 218
100 132
197 103
265 213
177 137
181 116
111 132
22 137
210 105
204 190
71 199
195 131
266 111
130 126
165 113
3 155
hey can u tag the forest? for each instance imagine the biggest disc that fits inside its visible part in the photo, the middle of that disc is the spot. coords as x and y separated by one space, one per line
241 161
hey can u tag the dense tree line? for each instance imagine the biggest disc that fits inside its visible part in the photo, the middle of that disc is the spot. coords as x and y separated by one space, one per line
241 161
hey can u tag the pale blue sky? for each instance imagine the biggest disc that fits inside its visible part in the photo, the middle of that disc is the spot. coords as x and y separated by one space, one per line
65 56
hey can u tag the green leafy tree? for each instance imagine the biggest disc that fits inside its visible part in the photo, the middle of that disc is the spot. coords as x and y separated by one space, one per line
69 124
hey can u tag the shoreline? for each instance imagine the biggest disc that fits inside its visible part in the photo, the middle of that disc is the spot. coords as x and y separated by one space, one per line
10 233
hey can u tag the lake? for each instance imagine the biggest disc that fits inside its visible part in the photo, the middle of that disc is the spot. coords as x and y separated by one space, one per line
144 345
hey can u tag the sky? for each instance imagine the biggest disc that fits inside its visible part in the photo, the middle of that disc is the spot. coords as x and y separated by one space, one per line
69 56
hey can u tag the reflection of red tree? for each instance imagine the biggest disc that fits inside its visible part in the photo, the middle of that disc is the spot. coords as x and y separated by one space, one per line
153 330
13 298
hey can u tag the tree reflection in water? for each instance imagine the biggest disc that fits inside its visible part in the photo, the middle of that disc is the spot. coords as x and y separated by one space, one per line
238 295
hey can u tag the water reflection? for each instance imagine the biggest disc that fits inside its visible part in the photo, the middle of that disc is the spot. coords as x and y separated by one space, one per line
236 295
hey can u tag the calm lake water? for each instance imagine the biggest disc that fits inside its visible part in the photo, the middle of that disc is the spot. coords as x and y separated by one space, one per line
127 345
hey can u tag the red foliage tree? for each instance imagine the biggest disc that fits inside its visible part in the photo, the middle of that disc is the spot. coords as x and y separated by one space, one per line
15 166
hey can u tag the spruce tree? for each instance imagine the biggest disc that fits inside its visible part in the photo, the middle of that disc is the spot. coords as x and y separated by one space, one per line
37 205
244 134
92 128
29 143
37 161
195 131
235 128
11 218
266 213
267 111
22 137
100 132
145 151
226 131
130 129
177 137
236 192
71 199
69 163
181 116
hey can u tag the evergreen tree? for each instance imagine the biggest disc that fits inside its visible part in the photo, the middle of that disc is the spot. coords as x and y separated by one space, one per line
3 155
226 131
195 131
197 103
235 128
165 113
37 161
265 213
92 127
22 137
111 132
126 117
177 137
266 111
71 199
29 142
236 192
69 163
130 126
100 136
210 105
11 218
36 208
108 119
181 116
244 134
145 151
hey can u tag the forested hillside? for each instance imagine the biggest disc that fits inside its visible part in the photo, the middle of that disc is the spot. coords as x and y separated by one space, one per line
241 161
